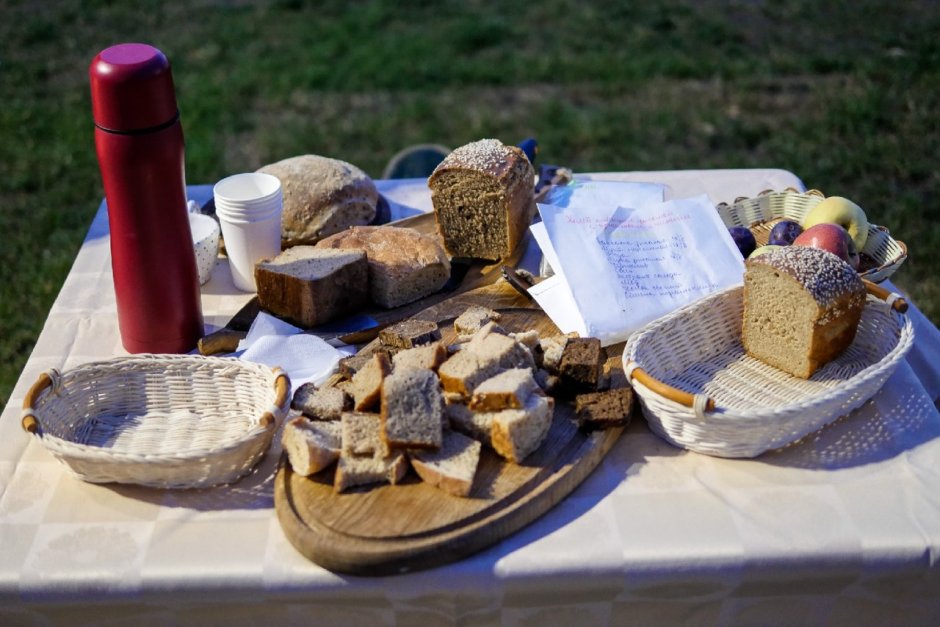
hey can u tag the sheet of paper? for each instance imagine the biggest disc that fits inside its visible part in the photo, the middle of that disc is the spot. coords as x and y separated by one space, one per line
604 196
632 265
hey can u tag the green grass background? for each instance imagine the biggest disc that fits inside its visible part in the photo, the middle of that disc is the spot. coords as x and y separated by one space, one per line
844 94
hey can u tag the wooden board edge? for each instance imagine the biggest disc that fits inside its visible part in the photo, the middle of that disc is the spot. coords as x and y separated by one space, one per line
331 549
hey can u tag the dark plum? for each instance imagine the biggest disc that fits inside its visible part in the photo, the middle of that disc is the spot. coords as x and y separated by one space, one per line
743 239
784 232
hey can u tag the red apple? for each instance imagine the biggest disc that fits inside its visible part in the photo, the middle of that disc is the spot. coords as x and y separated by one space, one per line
831 237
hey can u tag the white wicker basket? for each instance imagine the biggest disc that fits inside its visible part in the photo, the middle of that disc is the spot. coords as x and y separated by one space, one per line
759 214
728 404
168 421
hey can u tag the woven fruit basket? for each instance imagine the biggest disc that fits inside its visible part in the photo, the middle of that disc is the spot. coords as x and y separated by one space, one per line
700 391
167 421
880 258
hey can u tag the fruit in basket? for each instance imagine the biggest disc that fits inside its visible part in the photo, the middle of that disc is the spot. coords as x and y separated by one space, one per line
826 236
743 239
784 232
761 250
841 211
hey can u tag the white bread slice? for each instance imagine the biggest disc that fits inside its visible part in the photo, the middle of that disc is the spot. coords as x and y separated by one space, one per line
366 384
472 320
518 432
452 467
507 390
491 345
428 357
354 470
311 446
477 425
362 434
412 409
464 370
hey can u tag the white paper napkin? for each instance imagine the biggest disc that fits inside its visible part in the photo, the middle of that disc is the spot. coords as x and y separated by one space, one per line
305 357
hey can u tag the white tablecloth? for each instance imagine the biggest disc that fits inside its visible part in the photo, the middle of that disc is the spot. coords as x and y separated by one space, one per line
843 528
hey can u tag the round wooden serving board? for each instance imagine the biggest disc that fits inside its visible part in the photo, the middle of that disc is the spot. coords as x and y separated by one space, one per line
385 529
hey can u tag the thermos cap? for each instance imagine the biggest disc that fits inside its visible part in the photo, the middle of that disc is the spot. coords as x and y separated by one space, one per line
131 88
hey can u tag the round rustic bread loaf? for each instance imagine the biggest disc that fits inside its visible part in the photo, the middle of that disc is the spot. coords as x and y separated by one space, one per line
322 196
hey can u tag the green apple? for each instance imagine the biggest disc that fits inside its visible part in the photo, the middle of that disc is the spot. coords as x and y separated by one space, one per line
841 211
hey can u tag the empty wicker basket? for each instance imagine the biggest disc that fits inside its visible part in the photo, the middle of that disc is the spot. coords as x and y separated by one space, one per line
168 421
700 391
884 253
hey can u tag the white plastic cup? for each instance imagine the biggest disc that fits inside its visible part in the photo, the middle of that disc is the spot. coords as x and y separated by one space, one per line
249 209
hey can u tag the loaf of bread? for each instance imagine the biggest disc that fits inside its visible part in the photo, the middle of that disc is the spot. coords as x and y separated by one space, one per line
322 196
404 265
483 199
802 307
310 286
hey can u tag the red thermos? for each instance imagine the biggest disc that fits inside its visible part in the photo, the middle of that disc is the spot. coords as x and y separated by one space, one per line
139 141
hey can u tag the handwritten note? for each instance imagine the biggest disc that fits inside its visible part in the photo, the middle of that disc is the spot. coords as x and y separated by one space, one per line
628 266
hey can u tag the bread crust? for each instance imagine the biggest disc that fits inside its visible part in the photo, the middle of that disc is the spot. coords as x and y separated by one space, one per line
322 196
404 265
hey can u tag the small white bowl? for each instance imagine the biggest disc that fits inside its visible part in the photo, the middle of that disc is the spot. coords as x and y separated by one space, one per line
206 235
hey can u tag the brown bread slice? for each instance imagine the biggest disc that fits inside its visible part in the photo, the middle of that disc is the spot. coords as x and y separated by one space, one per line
412 409
507 390
325 403
602 410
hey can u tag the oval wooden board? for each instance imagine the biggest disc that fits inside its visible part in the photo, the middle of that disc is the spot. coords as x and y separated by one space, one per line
381 530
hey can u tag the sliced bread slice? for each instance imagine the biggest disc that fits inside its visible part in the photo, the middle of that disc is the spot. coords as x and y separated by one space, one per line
412 409
355 470
426 357
518 432
311 446
507 390
366 384
324 403
452 467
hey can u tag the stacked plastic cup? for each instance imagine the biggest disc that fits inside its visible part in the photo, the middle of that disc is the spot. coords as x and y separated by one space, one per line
249 209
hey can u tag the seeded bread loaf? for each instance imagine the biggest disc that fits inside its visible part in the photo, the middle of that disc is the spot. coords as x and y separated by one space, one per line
483 199
404 265
309 286
802 307
322 196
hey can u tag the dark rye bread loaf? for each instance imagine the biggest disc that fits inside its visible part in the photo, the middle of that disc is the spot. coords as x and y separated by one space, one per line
483 199
802 307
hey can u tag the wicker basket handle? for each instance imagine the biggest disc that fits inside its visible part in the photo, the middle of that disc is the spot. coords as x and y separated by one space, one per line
895 301
29 421
670 393
281 390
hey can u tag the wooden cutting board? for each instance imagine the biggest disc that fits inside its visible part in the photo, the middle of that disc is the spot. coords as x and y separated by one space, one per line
381 530
466 275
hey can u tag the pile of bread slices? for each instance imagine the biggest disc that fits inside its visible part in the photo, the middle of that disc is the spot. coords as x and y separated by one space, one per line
416 402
